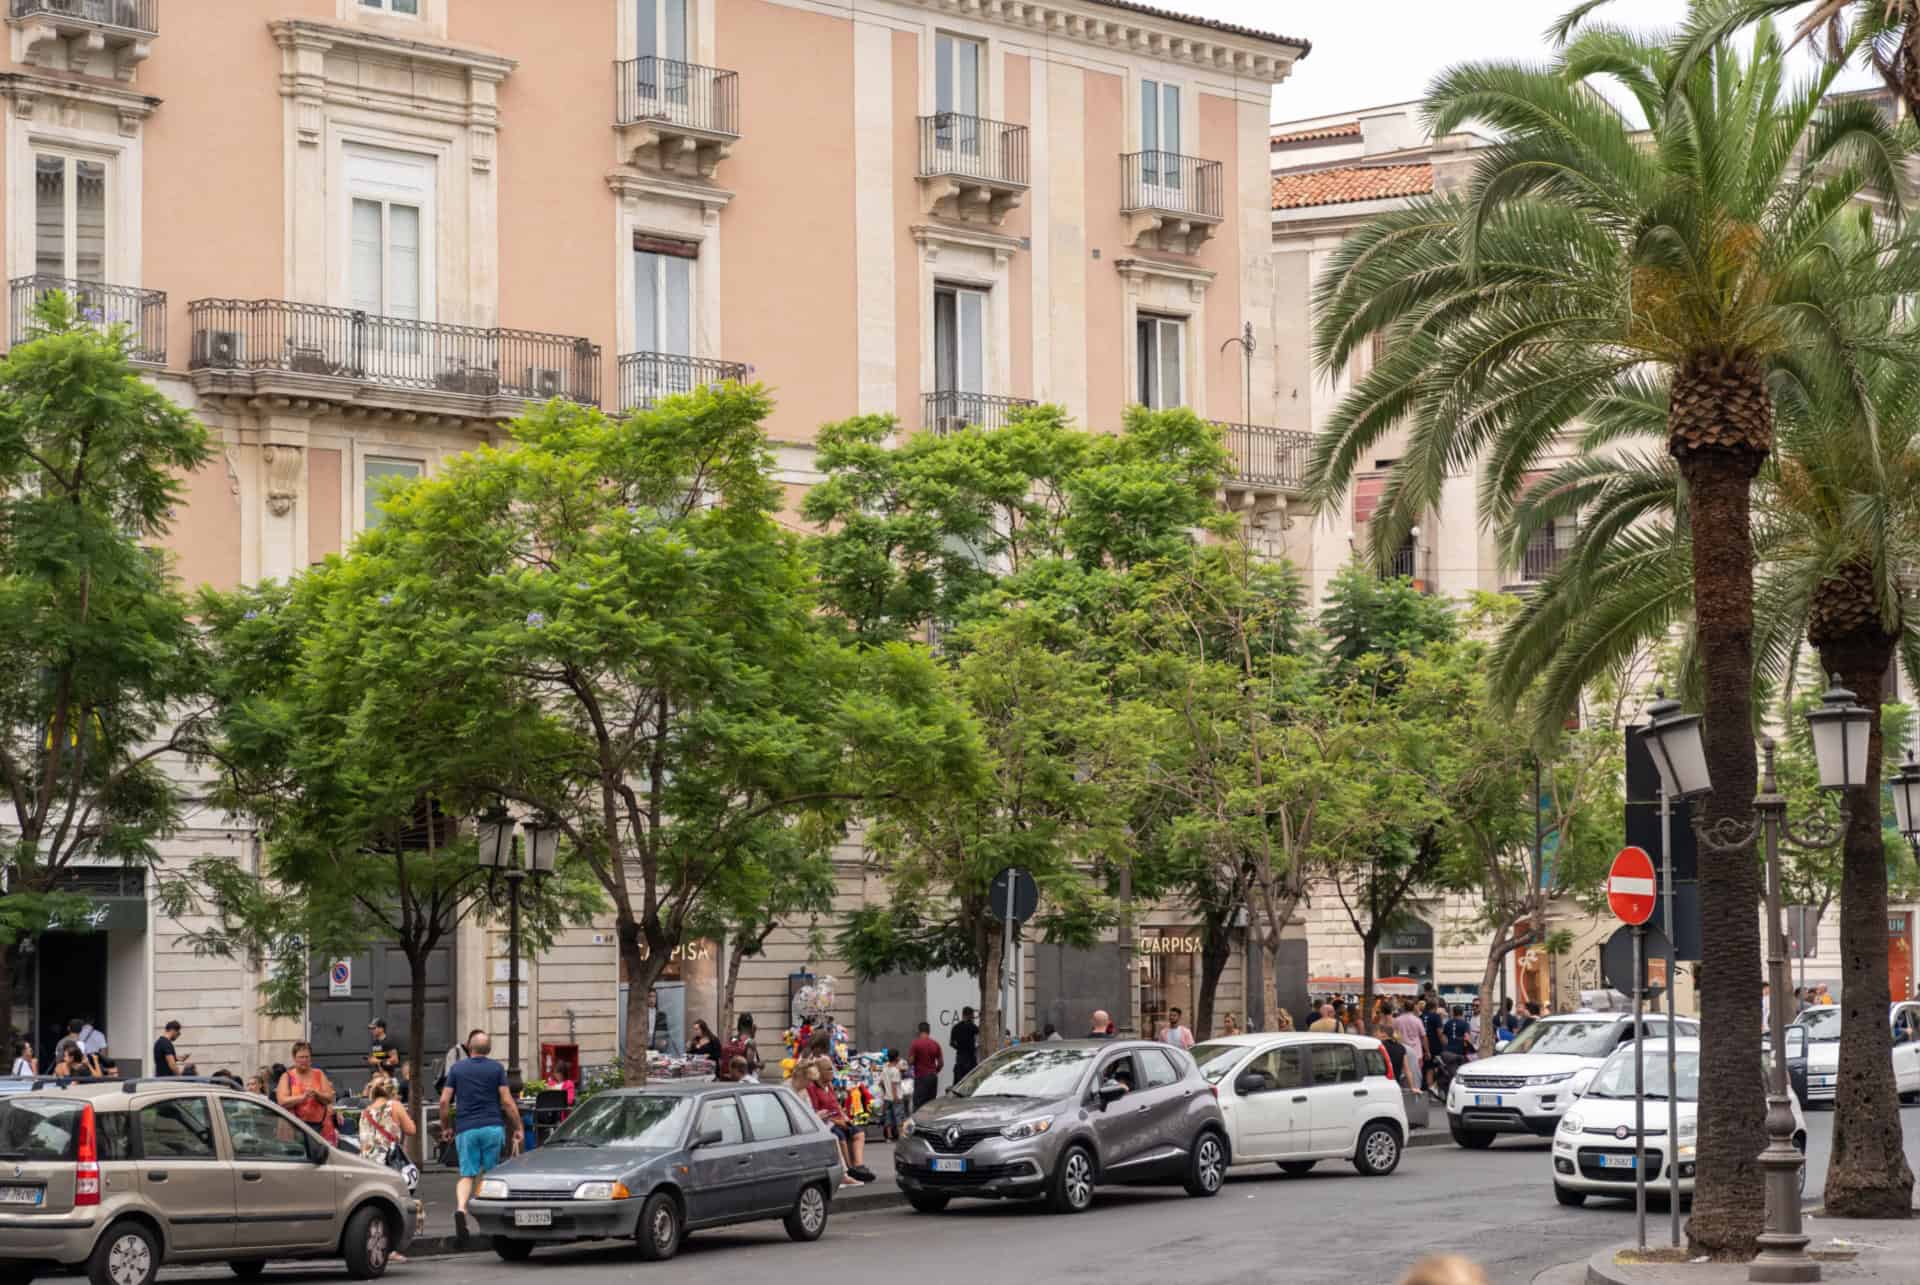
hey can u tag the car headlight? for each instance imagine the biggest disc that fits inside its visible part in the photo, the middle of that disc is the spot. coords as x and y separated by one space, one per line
1688 1129
1031 1127
601 1191
1684 1152
491 1189
1550 1079
1569 1123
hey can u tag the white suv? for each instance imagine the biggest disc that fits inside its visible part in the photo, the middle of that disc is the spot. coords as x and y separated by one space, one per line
1529 1084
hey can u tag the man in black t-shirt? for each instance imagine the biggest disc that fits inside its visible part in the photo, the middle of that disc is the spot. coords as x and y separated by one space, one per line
1455 1032
965 1041
167 1060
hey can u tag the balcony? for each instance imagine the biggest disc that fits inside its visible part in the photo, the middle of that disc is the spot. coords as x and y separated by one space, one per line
646 377
1272 458
971 169
343 356
950 412
1410 562
1546 549
677 117
142 312
100 37
1171 202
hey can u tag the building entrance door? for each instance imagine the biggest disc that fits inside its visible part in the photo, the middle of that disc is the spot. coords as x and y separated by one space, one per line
71 969
381 988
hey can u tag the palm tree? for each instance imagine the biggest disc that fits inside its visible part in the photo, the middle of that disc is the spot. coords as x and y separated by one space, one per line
1706 249
1885 33
1837 522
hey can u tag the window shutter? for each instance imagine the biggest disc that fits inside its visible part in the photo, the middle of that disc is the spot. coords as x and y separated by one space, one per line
666 245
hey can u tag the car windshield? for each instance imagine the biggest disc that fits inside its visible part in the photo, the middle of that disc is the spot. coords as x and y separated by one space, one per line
38 1129
1031 1072
624 1120
1821 1023
1578 1037
1615 1079
1215 1060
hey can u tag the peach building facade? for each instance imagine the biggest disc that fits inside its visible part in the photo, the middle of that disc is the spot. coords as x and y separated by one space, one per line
357 236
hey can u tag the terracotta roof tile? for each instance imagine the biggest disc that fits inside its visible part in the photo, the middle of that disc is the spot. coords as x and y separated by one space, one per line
1349 130
1347 183
1304 46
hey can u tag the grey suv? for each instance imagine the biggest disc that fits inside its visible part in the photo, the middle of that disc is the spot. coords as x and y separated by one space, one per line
117 1177
1058 1119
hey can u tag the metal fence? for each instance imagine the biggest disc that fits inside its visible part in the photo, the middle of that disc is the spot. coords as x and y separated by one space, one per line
1266 456
973 147
1546 549
1170 181
686 94
142 312
397 352
131 15
646 377
1405 563
949 412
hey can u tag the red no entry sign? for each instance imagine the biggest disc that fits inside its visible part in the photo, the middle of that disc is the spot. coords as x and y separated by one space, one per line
1630 886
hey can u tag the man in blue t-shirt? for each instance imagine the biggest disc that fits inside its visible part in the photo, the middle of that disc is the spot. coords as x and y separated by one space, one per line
483 1106
1455 1033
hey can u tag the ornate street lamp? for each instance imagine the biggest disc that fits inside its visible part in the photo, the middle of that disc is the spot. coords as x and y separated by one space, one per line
1840 728
1906 801
499 856
1679 751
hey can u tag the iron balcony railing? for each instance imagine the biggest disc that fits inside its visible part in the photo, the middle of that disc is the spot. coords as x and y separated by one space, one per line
706 99
1265 456
1170 181
142 312
972 147
395 352
128 15
646 377
1546 549
1405 562
949 411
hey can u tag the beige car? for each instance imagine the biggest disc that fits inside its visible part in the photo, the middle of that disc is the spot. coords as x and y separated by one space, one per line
119 1177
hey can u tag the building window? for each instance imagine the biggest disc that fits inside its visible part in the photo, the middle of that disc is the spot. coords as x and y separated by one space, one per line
385 278
1159 116
663 296
660 29
956 74
376 477
70 217
959 340
1407 951
1160 341
405 8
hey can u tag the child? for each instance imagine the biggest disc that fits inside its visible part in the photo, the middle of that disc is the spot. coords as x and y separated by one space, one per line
892 1097
737 1070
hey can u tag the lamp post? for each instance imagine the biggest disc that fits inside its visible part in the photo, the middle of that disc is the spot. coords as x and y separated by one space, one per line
1840 728
1906 802
499 849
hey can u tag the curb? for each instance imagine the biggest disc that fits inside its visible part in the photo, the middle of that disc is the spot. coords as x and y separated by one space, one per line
1602 1270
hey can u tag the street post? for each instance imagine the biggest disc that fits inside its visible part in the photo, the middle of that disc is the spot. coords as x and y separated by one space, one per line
1630 895
1673 1082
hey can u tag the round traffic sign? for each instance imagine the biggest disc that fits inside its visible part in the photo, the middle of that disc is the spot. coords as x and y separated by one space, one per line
340 973
1630 886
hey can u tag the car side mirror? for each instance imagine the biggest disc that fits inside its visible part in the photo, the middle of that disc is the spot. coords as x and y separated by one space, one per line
317 1155
1253 1082
708 1138
1111 1091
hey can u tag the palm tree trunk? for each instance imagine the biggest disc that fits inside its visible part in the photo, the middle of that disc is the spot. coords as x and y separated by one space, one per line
1868 1175
1720 420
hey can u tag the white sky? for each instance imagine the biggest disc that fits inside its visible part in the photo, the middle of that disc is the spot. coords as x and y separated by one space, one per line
1365 54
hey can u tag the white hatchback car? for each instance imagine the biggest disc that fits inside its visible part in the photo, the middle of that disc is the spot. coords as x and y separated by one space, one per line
1528 1085
1297 1098
1593 1148
1819 1070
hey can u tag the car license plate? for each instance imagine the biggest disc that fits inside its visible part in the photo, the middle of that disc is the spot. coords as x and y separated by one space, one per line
20 1195
950 1166
533 1218
1616 1162
1488 1100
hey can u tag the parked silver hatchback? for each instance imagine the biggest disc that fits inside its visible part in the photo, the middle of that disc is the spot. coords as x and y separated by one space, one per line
1060 1118
118 1177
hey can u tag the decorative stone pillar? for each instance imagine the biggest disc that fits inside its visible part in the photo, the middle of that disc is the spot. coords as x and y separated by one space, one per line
282 527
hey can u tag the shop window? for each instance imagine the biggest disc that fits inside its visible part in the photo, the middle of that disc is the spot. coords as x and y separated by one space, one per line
1169 974
1407 949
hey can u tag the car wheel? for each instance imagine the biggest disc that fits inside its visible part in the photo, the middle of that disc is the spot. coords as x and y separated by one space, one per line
1207 1166
1574 1199
808 1217
1800 1145
1378 1152
126 1255
1071 1191
927 1202
368 1243
16 1273
248 1269
512 1251
1469 1138
659 1233
1297 1167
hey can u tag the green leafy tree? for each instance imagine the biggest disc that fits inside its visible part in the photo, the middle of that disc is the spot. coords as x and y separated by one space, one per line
1709 249
102 675
629 646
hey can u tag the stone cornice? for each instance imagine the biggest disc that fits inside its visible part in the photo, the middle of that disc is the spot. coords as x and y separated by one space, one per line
1170 39
26 88
629 183
479 64
934 235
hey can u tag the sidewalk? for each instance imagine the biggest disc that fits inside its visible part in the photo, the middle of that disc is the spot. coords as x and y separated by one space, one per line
1847 1249
437 1191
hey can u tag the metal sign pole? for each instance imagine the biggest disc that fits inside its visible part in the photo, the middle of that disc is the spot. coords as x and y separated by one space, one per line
1007 1020
1673 1083
1639 1092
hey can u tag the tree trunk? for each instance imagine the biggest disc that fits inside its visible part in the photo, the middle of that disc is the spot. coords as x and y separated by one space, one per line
1489 978
1720 424
642 971
7 956
990 970
1216 947
736 955
1868 1175
1269 984
1369 940
416 1045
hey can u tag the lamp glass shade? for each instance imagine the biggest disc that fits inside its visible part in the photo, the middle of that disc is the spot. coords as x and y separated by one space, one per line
1840 728
543 842
1906 798
495 832
1680 754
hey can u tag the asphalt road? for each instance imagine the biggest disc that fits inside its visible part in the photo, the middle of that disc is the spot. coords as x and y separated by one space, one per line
1332 1225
